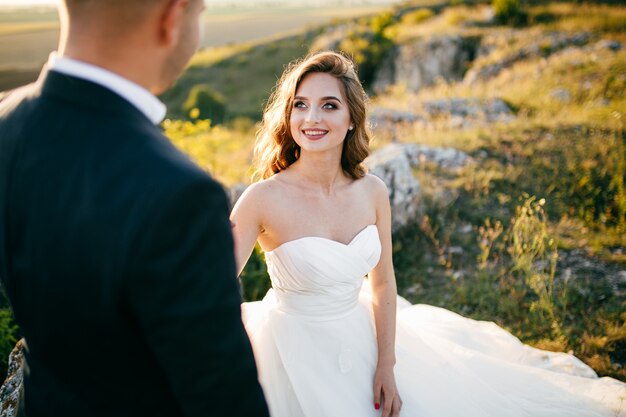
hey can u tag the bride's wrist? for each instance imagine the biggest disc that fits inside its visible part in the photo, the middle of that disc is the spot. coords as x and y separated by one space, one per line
388 363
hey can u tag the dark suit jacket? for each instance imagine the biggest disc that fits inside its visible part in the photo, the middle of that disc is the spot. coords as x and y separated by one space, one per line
116 254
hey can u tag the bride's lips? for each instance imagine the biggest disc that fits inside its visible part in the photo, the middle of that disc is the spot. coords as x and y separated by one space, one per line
314 134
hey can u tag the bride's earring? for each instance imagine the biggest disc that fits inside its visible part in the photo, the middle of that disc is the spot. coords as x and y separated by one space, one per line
350 127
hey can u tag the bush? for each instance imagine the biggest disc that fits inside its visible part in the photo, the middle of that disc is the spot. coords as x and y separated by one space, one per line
205 103
509 12
9 335
368 46
417 16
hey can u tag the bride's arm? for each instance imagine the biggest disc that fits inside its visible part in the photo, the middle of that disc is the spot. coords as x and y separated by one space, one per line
246 223
384 293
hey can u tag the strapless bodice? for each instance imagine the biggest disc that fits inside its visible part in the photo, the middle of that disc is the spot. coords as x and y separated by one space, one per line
319 277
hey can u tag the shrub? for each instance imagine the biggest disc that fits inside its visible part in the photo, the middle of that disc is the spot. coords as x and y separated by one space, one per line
205 103
509 12
368 46
9 335
417 16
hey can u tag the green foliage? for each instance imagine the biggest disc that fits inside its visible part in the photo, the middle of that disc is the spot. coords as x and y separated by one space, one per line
534 255
515 281
381 22
583 171
224 151
9 335
509 12
254 278
596 17
418 16
368 46
244 74
205 103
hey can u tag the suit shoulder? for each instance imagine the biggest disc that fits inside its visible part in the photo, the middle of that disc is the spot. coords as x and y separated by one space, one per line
12 99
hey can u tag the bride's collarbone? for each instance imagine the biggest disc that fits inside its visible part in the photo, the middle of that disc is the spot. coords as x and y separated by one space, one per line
291 213
285 225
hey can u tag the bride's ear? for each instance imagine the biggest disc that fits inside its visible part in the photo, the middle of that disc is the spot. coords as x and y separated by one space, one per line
171 21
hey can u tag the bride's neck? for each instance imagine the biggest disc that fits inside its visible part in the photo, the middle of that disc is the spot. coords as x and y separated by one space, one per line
320 172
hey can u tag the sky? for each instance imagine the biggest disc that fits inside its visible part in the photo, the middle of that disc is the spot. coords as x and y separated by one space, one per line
26 2
215 2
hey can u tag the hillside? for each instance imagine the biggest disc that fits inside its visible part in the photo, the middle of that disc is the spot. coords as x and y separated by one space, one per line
531 234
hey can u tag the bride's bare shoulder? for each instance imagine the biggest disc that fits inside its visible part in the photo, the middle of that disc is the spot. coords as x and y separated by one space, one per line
262 191
373 185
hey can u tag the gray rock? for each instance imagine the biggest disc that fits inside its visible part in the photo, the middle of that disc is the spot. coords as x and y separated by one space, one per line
423 63
377 114
561 94
444 157
392 165
10 390
235 192
609 44
466 113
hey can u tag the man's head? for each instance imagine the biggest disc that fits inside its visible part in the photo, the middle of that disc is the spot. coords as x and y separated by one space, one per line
147 41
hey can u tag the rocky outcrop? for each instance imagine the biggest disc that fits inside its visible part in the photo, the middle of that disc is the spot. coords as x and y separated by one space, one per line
548 45
456 113
423 63
444 157
463 113
10 391
394 164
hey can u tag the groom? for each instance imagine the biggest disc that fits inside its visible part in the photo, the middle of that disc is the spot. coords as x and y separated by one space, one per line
115 250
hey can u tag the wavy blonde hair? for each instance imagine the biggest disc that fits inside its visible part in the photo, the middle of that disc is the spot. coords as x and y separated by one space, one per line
275 149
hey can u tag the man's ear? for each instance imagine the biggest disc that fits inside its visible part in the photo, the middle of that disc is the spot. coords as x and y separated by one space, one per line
172 21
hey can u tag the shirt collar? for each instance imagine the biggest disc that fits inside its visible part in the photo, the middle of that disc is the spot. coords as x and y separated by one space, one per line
138 96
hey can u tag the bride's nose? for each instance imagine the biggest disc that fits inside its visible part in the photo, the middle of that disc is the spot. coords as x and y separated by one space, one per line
313 115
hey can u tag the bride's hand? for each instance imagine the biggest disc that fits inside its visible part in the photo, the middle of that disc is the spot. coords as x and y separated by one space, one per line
386 393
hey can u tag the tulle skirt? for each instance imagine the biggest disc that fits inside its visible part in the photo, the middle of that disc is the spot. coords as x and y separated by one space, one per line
447 366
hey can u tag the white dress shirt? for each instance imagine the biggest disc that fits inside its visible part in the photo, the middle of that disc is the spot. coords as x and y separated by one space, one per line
138 96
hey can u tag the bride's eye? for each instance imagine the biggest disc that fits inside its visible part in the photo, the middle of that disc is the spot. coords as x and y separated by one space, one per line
329 106
299 105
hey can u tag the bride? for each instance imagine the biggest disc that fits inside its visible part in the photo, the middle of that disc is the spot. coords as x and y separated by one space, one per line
328 342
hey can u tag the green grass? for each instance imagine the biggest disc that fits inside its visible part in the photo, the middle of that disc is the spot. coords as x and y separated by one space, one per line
580 17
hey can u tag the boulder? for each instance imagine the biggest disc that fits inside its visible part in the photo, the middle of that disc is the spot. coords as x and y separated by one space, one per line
466 113
393 166
10 390
422 63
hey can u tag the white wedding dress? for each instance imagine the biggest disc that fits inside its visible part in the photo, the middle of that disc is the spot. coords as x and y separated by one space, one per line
314 341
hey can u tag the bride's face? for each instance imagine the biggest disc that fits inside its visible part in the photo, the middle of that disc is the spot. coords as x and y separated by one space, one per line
320 117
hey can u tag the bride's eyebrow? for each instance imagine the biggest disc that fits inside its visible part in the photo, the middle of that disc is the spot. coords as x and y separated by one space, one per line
322 99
